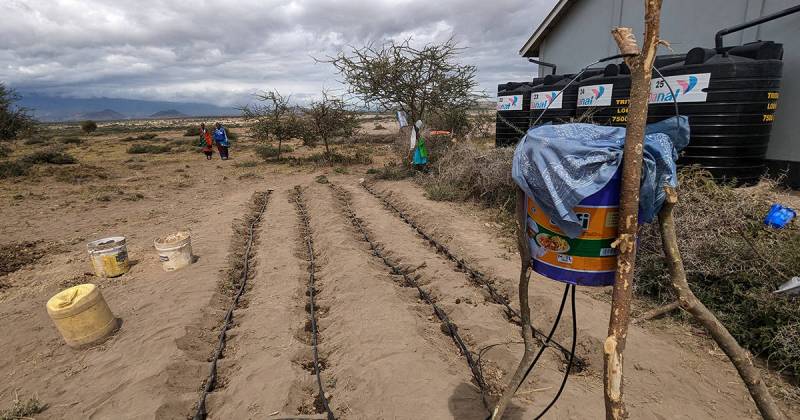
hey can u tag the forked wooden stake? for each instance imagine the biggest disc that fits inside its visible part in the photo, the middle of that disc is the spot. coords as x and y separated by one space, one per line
740 357
641 67
524 307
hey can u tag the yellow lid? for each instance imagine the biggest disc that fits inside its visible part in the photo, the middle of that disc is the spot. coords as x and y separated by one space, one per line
69 301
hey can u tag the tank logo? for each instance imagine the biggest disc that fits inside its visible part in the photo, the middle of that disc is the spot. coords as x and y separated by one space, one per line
541 100
509 103
595 95
687 88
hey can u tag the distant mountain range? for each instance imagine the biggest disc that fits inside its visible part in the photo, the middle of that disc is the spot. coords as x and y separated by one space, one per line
170 113
49 108
104 115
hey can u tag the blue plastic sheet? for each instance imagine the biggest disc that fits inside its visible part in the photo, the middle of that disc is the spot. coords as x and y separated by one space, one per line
560 165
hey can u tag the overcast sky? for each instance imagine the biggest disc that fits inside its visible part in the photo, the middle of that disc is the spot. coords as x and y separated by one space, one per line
221 52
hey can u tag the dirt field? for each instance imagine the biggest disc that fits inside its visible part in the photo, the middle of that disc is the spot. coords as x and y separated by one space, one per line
383 352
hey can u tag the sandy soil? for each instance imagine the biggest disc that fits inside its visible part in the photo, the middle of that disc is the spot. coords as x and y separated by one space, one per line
384 353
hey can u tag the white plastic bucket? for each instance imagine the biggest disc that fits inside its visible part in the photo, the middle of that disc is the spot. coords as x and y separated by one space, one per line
174 250
109 256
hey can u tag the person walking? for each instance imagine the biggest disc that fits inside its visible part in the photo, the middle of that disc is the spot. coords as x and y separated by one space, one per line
221 138
206 142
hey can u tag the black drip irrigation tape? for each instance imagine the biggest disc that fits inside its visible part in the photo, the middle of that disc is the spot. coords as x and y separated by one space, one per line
211 381
312 268
481 279
452 329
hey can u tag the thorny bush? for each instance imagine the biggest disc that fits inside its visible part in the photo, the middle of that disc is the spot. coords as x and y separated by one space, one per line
733 264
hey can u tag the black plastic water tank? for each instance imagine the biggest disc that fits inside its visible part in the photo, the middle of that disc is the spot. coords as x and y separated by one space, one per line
603 99
561 107
730 98
513 112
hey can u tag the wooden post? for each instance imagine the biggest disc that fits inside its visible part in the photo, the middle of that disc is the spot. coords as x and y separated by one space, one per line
641 67
740 358
524 307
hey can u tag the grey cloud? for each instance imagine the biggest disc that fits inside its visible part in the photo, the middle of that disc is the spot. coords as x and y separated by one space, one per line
222 51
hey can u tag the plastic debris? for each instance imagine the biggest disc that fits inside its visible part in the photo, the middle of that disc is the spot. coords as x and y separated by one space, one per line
791 287
779 216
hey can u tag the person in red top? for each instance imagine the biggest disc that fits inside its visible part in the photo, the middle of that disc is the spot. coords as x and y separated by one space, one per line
206 142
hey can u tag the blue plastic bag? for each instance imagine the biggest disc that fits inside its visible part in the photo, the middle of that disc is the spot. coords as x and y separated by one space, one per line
779 216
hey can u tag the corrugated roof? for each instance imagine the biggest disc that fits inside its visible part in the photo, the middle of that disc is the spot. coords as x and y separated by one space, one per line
531 48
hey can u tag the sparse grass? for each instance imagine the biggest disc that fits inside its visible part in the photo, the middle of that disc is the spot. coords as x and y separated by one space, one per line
35 140
51 156
250 175
268 151
392 172
13 169
4 151
246 164
341 170
360 157
76 174
23 409
71 140
145 136
149 149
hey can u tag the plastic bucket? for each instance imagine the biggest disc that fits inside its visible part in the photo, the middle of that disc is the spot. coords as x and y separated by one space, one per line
109 256
589 259
81 315
174 250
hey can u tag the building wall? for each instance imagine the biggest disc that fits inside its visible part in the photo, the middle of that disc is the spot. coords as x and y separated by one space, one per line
583 35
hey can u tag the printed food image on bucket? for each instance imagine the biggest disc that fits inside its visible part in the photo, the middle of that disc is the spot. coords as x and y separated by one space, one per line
109 256
174 250
587 260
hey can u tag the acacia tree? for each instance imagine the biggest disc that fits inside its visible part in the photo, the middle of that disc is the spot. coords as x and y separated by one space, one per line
13 120
274 118
328 118
419 81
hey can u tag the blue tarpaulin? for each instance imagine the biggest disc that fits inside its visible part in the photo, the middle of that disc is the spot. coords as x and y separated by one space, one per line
560 165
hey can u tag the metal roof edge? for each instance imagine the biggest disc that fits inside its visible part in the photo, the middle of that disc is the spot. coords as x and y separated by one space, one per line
531 48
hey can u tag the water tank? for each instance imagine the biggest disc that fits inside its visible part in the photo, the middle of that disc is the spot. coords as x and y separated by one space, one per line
730 97
513 111
561 107
603 99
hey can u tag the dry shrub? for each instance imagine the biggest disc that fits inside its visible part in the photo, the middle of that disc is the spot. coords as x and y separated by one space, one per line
732 261
23 409
466 172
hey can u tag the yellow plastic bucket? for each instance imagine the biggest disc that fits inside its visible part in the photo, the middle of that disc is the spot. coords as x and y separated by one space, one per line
81 315
109 256
174 250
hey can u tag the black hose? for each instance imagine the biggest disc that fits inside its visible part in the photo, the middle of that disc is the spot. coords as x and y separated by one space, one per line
312 292
549 335
211 381
569 365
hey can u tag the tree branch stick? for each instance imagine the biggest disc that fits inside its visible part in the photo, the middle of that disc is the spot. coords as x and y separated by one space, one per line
658 312
640 66
740 357
524 307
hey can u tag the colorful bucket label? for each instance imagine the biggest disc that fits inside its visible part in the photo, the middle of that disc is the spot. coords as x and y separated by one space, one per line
595 95
589 259
541 100
687 88
509 103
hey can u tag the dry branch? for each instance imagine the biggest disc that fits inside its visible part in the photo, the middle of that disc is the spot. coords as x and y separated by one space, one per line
740 358
524 307
640 66
658 312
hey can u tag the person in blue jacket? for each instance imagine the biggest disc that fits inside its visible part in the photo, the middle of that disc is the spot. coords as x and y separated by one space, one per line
221 139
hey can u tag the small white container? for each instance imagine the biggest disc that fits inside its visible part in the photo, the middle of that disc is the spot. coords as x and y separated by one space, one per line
175 250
